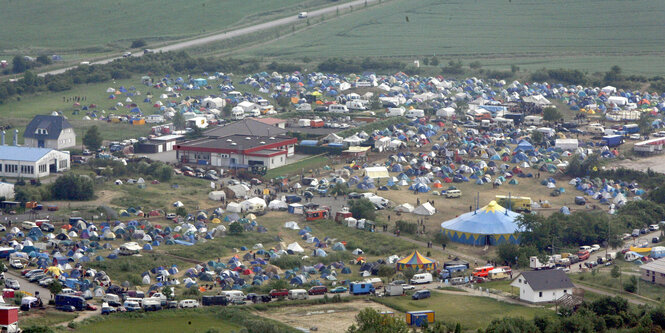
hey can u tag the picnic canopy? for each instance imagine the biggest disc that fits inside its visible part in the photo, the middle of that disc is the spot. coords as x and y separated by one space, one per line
489 225
416 261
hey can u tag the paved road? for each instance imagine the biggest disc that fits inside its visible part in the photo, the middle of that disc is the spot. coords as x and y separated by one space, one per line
27 286
233 33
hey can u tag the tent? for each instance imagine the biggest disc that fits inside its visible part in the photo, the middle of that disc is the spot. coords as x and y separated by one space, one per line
416 261
217 195
377 172
295 247
489 225
405 208
425 209
291 225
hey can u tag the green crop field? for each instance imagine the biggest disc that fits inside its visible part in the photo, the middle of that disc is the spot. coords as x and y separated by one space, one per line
163 321
589 35
97 25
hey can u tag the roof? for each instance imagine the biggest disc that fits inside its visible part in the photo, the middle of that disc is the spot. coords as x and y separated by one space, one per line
24 154
549 279
53 125
657 266
248 126
167 137
270 121
236 143
489 220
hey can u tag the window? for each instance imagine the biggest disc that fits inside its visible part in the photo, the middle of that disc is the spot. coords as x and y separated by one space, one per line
224 155
519 280
540 294
41 131
63 163
29 169
42 168
11 168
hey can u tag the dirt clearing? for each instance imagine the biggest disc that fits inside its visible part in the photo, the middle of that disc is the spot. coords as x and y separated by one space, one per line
331 318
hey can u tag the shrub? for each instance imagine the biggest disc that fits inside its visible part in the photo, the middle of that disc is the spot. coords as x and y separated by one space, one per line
363 208
138 43
406 227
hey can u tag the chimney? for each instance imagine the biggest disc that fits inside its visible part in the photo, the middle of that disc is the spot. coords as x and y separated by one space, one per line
3 138
15 137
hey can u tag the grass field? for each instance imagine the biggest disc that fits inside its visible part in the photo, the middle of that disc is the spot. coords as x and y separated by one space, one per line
471 312
571 34
93 26
44 318
162 321
295 168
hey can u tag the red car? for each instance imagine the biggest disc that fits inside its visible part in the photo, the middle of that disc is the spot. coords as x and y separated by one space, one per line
90 307
279 292
583 255
318 290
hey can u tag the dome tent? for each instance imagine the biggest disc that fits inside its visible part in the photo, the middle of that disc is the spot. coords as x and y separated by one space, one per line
416 261
489 225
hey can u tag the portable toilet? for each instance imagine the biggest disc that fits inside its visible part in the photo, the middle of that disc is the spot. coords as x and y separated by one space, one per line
9 319
418 318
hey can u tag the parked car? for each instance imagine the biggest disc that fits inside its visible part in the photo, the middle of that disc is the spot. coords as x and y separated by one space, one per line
654 227
66 308
595 247
106 309
171 216
189 303
635 233
408 286
421 294
355 195
655 240
279 293
583 255
47 227
338 290
317 290
16 263
12 284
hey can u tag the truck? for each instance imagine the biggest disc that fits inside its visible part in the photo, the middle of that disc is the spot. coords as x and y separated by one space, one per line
394 290
518 204
361 288
537 265
77 302
612 140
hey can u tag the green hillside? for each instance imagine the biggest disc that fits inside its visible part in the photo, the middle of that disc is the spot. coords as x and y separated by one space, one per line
91 25
586 34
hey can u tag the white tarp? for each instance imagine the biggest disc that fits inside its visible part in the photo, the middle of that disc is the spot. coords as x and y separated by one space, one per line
295 247
291 225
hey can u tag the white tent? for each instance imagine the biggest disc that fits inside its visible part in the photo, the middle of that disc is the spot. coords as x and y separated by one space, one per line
377 172
216 195
424 209
291 225
253 204
277 205
405 208
295 247
233 207
178 204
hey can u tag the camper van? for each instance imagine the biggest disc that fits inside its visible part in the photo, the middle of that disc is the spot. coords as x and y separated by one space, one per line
482 271
298 294
595 129
337 108
453 194
304 107
233 295
415 113
27 225
237 113
504 122
533 120
395 112
499 273
421 278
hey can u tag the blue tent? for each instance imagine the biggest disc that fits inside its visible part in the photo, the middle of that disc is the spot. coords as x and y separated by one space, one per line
524 146
489 225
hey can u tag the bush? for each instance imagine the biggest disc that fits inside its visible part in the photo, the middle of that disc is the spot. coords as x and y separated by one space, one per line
236 228
73 187
386 270
138 44
192 292
631 285
406 227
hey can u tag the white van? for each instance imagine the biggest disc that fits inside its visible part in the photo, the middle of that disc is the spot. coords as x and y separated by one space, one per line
188 303
27 225
548 132
421 278
453 194
395 112
338 108
595 128
415 113
253 113
297 294
304 107
111 298
533 120
237 113
233 295
585 248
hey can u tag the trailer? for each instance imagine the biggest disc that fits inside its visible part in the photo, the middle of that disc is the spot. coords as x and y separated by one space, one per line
394 290
537 265
419 318
361 288
612 140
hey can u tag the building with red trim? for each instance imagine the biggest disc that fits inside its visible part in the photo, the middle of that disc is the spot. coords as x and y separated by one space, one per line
237 151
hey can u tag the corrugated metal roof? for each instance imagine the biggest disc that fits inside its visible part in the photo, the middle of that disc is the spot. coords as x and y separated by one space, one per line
657 266
24 154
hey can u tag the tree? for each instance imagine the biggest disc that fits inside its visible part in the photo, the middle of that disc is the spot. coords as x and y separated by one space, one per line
92 139
181 211
73 187
551 114
138 43
369 320
644 123
475 65
630 285
434 61
19 64
44 59
513 325
179 121
37 329
537 137
164 173
363 208
55 287
616 272
426 61
168 292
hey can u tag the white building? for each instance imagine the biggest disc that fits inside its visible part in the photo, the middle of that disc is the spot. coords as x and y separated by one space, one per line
543 286
29 162
49 132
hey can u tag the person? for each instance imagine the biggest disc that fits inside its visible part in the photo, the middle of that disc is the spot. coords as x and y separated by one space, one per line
388 217
470 208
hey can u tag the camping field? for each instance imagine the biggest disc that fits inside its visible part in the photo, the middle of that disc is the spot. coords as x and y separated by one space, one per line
101 26
553 34
472 312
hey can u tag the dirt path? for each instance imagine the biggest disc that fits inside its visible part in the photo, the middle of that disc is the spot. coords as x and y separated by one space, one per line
607 293
655 163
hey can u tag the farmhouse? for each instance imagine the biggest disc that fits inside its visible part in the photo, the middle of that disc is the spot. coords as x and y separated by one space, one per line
30 162
653 272
543 286
49 132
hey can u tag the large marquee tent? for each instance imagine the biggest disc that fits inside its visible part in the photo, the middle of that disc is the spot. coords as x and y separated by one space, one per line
489 225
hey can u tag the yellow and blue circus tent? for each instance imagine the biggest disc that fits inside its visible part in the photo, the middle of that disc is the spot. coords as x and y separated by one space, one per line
489 225
416 261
